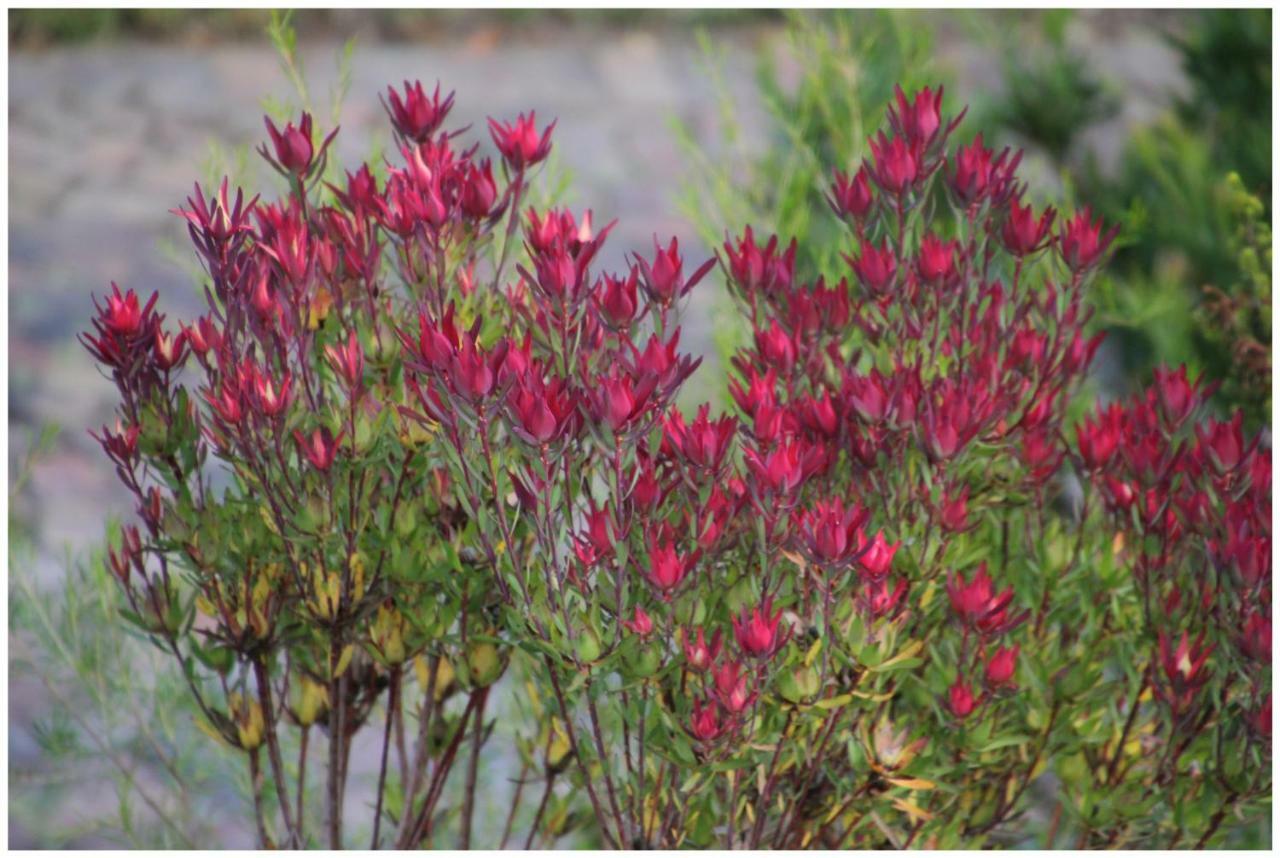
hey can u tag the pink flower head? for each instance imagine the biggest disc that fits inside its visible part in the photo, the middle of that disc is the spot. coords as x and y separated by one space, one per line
642 625
267 396
1082 242
698 654
1001 666
918 119
121 446
936 262
541 411
703 443
776 347
1022 233
705 723
519 142
1099 439
895 164
169 350
667 567
663 279
472 372
1223 440
954 512
1177 395
851 198
876 557
479 191
979 173
785 467
294 150
1185 671
123 315
874 267
881 597
320 448
417 116
617 400
975 601
829 531
731 687
960 699
616 299
758 269
122 329
225 402
347 360
757 630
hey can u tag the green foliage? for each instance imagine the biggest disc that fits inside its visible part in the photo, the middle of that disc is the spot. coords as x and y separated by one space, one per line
1226 54
119 715
1053 92
1177 271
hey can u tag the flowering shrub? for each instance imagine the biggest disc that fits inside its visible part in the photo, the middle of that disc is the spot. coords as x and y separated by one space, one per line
419 443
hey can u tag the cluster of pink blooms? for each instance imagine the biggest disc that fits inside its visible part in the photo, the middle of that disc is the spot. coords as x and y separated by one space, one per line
1193 500
564 398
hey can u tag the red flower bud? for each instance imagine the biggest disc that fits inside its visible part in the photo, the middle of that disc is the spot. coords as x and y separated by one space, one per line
703 444
919 119
954 512
1022 233
758 269
960 699
169 350
1224 442
667 568
519 142
731 687
663 279
876 557
641 625
616 300
1255 641
776 347
879 599
1184 670
321 448
1177 396
979 173
757 630
875 267
976 602
705 721
417 116
479 190
895 165
1081 241
936 262
851 198
293 147
697 653
829 532
1001 666
347 360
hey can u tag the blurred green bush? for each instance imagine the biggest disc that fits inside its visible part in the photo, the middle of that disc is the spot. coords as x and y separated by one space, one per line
1190 279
